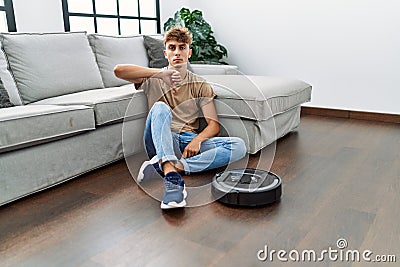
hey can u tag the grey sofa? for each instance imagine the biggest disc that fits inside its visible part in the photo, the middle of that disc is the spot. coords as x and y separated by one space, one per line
71 111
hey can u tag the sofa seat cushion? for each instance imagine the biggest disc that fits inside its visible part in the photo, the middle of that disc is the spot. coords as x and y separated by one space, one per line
23 126
109 104
257 97
113 50
51 64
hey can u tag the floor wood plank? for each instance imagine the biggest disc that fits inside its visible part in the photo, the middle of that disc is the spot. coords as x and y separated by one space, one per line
341 179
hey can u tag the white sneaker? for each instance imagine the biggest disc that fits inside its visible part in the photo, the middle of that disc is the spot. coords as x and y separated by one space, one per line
149 170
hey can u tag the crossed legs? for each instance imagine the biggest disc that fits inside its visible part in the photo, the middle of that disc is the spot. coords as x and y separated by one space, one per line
167 147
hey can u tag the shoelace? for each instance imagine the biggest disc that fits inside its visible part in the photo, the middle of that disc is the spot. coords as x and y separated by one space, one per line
171 185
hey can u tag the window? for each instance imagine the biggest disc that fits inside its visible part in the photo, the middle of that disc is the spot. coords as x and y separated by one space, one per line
7 19
112 17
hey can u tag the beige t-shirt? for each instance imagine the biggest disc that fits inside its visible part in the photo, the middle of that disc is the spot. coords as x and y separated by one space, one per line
185 103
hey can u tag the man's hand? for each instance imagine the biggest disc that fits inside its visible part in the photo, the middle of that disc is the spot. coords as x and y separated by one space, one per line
171 77
192 149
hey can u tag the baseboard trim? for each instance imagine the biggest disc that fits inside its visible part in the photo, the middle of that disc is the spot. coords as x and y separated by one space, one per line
351 114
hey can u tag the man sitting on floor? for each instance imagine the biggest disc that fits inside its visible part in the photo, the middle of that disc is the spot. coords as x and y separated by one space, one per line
177 99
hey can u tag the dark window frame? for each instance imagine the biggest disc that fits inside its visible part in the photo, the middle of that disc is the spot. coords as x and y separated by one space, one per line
9 9
94 15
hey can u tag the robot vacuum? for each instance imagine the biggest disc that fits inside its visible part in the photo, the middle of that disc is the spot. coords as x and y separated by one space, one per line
246 187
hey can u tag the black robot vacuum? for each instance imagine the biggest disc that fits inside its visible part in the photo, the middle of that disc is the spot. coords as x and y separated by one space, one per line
246 187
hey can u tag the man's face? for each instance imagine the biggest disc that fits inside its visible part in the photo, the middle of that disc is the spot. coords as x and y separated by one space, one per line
177 53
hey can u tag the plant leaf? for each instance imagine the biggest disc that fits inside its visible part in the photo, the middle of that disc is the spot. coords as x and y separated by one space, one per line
204 47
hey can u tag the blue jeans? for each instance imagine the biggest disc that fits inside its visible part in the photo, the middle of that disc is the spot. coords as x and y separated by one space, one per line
159 140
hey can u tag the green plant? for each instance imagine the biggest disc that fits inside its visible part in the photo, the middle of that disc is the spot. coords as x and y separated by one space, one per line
205 47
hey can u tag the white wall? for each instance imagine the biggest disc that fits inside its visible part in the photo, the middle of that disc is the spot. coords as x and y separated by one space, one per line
38 15
169 7
349 50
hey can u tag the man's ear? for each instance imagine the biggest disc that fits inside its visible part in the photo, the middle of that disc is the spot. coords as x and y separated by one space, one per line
165 53
190 52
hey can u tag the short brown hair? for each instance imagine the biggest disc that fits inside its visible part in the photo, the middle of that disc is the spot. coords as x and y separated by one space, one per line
179 34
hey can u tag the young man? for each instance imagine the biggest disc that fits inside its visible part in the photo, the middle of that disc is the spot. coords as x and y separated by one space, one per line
177 99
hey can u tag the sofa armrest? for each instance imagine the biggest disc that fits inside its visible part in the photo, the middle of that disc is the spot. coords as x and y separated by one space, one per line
206 69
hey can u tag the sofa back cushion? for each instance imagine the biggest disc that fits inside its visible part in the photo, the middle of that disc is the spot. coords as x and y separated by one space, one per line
8 80
113 50
155 51
4 98
51 64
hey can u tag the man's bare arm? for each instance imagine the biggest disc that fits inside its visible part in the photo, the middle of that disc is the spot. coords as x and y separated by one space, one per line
136 74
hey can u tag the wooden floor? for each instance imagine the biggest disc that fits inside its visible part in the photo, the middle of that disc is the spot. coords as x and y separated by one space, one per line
341 179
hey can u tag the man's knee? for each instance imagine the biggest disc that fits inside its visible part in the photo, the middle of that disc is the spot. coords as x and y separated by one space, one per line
160 108
238 147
